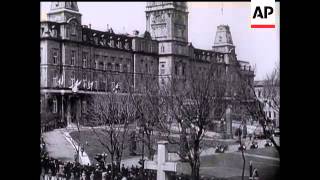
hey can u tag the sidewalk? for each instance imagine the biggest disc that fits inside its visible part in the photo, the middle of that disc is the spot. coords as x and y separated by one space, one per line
84 159
57 145
60 145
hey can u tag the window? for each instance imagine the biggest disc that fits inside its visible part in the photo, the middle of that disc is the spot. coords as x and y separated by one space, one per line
73 78
73 29
125 68
120 67
117 67
55 79
84 84
96 84
269 114
104 66
96 64
274 114
101 65
176 70
73 58
55 106
55 57
109 67
54 33
113 84
84 59
162 71
162 48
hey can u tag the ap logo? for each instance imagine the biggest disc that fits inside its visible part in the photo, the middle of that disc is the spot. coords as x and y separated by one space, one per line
263 14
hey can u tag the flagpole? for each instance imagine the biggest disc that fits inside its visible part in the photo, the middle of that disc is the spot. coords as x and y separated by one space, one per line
222 13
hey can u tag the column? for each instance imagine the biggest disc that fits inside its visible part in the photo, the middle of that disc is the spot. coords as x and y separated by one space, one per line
62 108
68 111
228 132
78 110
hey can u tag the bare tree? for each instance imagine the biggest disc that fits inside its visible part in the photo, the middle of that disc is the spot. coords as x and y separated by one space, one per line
114 112
191 108
271 88
253 105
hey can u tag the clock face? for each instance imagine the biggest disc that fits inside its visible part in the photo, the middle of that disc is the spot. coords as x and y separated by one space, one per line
158 18
159 30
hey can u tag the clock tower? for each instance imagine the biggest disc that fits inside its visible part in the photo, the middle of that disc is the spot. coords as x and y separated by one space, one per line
64 11
167 22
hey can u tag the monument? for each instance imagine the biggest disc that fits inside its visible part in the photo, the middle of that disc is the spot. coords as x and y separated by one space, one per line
228 123
162 165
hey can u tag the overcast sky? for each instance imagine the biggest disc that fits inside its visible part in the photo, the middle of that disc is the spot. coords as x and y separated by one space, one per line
258 46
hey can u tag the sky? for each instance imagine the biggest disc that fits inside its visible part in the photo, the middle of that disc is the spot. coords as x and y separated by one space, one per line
260 47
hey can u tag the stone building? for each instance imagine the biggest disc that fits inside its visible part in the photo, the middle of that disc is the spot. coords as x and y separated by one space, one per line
269 109
104 60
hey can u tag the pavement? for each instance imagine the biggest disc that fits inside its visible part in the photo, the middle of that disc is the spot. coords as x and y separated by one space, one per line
58 146
61 146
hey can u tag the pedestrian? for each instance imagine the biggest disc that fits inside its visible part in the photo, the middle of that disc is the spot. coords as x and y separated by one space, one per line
92 176
82 150
83 177
255 175
250 169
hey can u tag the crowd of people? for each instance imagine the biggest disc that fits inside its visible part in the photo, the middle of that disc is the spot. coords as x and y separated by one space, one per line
54 169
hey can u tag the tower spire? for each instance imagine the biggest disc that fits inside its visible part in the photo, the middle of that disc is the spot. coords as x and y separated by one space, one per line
222 9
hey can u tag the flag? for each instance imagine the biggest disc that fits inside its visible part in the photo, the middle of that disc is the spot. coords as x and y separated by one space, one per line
75 87
91 85
61 81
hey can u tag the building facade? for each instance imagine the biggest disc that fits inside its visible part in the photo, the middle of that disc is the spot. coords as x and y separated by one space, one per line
270 110
101 62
